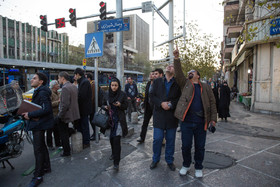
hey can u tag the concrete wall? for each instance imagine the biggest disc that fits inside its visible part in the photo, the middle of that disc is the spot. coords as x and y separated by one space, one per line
267 83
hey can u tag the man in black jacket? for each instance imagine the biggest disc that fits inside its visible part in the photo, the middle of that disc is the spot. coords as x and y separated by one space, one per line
131 92
85 105
148 110
165 94
148 107
39 121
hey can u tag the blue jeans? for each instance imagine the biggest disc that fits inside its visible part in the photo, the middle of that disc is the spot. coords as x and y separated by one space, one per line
188 131
170 136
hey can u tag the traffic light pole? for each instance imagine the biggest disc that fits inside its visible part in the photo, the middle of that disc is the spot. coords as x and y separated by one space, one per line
96 96
119 60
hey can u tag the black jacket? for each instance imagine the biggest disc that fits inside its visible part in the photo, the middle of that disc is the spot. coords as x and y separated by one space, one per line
147 100
84 96
164 119
126 90
42 97
224 102
121 112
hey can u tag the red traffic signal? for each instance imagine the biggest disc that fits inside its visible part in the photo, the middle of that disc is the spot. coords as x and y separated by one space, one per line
71 10
59 23
44 23
72 16
102 4
102 10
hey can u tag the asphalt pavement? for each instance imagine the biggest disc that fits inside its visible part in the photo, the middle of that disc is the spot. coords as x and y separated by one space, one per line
245 151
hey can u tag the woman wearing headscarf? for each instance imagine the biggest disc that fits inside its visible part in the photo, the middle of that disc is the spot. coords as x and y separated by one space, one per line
117 100
224 101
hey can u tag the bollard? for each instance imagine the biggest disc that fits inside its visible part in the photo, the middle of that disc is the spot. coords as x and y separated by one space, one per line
134 118
77 142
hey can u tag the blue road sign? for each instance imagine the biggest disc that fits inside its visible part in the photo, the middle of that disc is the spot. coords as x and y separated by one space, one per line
275 26
84 67
94 44
113 25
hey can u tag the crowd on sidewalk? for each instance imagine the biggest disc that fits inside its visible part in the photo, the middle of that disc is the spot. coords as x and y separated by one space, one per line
169 99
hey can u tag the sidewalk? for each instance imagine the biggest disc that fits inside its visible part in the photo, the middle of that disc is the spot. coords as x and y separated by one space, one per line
251 140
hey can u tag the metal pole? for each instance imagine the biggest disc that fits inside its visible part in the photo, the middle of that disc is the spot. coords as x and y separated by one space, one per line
4 76
119 60
171 28
96 96
153 25
184 27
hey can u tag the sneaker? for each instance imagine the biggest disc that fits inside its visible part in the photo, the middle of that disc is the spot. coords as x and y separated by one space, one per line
35 181
184 170
198 173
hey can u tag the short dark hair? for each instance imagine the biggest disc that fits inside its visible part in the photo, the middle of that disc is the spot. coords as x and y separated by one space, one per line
42 77
159 70
79 71
197 72
64 74
129 77
89 75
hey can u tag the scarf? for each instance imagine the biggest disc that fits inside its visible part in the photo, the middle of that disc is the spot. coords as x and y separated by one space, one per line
114 95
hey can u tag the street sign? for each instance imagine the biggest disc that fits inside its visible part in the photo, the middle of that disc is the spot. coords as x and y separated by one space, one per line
275 26
84 67
94 44
147 6
113 25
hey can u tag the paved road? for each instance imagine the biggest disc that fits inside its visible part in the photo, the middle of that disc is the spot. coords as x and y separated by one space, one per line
250 139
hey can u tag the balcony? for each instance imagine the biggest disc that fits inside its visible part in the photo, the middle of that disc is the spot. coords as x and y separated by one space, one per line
231 10
234 31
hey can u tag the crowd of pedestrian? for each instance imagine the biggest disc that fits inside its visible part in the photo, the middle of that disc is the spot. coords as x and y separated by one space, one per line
170 98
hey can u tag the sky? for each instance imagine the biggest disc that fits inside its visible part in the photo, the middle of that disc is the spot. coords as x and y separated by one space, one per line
208 14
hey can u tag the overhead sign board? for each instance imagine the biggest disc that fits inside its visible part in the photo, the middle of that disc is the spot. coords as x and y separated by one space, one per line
275 26
113 25
94 44
147 6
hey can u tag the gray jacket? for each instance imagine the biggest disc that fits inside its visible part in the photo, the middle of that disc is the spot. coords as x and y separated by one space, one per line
68 107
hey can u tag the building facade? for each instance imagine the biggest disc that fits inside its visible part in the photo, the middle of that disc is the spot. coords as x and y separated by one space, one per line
26 49
250 53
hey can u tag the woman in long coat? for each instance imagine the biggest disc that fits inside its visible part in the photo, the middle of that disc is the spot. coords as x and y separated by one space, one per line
224 101
117 104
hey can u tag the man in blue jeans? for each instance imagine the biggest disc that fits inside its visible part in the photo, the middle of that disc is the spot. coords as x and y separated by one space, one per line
164 95
196 109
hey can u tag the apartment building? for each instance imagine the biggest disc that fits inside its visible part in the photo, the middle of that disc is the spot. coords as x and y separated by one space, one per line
250 54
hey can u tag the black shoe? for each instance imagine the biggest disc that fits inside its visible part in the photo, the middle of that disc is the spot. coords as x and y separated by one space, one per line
116 167
153 165
47 170
171 167
35 181
86 146
51 148
140 140
92 138
65 154
111 157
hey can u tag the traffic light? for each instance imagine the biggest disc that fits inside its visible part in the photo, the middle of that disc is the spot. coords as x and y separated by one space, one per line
73 17
59 23
102 10
44 23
